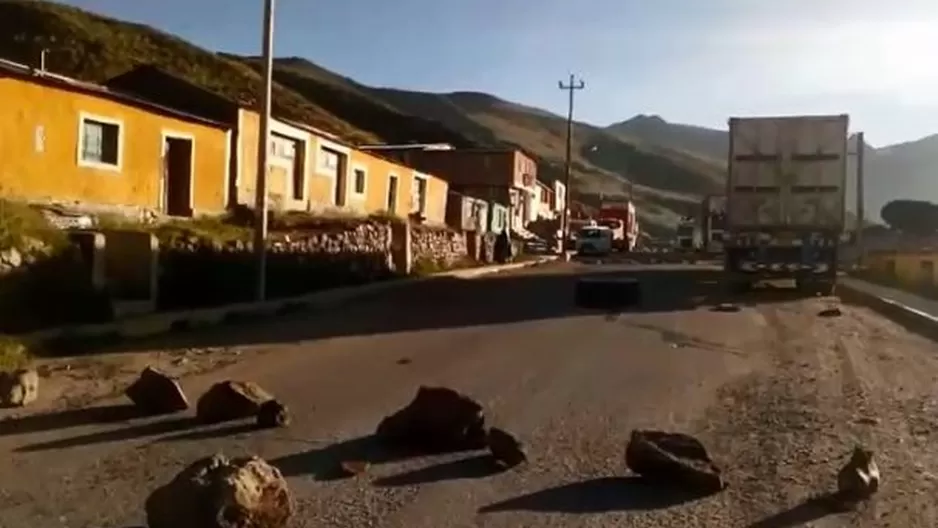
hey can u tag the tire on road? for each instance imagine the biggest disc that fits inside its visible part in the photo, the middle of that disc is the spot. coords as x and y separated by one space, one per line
607 293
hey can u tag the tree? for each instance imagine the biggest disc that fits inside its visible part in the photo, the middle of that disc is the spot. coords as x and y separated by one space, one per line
915 217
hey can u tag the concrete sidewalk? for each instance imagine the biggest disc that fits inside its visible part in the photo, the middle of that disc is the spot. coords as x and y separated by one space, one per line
159 323
915 313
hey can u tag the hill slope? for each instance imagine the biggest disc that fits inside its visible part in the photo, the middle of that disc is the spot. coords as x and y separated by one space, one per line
667 181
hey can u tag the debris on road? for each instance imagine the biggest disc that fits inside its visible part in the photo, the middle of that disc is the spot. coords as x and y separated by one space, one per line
272 414
231 400
726 308
505 448
351 468
859 478
833 311
216 492
673 459
155 392
438 419
607 293
19 388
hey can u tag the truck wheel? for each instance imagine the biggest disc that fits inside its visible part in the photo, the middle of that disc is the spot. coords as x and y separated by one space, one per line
738 287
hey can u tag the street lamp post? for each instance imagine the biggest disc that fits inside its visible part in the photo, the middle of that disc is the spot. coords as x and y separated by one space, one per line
263 150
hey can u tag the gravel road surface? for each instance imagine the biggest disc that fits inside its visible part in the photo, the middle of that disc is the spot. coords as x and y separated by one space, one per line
779 394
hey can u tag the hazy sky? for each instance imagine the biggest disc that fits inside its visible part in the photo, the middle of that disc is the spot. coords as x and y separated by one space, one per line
693 61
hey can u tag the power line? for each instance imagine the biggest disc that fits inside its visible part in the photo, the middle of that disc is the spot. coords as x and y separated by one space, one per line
572 86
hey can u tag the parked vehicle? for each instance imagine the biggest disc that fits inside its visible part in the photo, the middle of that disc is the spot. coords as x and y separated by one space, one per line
785 200
594 240
621 218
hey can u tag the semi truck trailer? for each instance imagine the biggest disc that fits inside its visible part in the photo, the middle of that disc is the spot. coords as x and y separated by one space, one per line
785 200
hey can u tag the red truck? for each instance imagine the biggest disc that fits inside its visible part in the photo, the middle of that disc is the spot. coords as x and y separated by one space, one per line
621 218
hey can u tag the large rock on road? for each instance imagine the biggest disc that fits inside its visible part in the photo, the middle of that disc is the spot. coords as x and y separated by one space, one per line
216 492
674 460
437 420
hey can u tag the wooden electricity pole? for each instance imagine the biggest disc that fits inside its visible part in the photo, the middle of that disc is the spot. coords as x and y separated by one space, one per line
570 87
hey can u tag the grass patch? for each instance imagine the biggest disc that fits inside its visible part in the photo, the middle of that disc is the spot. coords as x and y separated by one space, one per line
14 354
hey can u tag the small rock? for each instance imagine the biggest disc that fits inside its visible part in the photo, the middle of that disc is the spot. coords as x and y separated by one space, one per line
354 467
830 312
859 478
216 492
673 459
437 420
231 400
19 388
156 392
506 449
272 414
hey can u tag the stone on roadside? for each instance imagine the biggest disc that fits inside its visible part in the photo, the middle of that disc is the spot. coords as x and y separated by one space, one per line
673 459
216 492
859 478
231 400
351 468
832 311
272 414
19 388
156 392
438 419
505 448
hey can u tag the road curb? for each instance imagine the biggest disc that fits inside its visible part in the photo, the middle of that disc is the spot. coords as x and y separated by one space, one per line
914 320
75 338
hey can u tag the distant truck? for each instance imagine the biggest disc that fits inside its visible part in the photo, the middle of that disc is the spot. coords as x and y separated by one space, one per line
622 219
688 236
713 223
785 200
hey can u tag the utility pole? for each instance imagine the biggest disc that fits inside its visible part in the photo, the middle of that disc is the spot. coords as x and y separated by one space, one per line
571 87
861 216
263 150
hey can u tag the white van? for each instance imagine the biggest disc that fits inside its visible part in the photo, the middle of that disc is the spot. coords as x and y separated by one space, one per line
594 240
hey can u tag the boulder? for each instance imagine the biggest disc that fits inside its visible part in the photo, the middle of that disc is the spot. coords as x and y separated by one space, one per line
216 492
272 414
437 420
19 388
505 448
156 392
673 459
231 400
859 478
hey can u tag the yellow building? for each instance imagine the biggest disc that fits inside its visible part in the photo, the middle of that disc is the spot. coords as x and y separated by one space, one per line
309 169
62 140
908 267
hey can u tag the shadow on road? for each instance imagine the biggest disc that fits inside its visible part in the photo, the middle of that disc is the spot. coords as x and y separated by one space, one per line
68 418
230 429
326 463
131 432
478 466
535 294
809 510
599 495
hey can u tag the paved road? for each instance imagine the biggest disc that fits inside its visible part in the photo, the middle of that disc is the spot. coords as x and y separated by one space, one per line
779 394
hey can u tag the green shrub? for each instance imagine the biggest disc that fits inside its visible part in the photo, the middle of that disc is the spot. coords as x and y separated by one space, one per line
14 354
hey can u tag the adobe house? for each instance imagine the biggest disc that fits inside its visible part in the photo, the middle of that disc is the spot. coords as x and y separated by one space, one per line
503 175
99 149
310 169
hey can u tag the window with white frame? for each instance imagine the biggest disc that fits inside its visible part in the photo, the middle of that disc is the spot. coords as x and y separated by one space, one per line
419 198
359 176
328 159
99 142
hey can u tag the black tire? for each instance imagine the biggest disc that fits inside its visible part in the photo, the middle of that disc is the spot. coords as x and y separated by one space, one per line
607 294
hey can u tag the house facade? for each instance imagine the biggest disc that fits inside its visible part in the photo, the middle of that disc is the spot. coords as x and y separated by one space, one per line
504 176
309 169
84 145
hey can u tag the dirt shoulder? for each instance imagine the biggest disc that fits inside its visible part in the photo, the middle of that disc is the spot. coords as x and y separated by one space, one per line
830 384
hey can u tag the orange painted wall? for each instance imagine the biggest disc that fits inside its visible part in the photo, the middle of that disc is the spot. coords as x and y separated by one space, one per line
39 150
